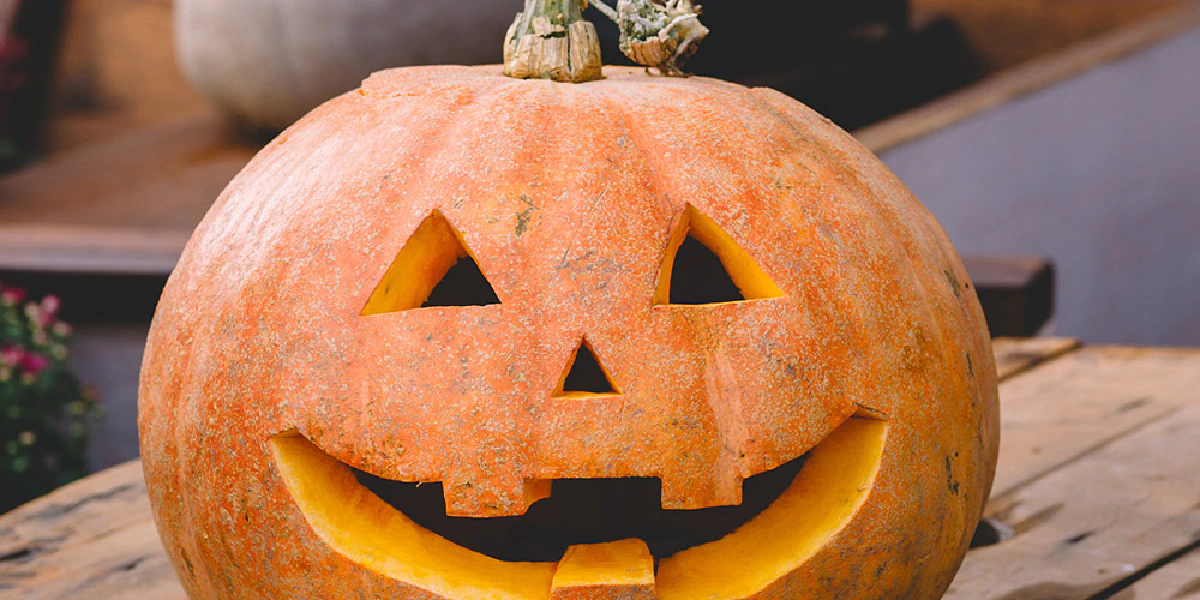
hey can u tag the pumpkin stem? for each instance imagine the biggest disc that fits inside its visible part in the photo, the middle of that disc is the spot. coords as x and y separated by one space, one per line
658 35
550 39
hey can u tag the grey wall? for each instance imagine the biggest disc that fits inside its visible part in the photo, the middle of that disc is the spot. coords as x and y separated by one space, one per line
1100 172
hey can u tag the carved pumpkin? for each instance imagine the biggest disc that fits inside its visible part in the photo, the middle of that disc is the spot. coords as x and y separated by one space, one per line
507 299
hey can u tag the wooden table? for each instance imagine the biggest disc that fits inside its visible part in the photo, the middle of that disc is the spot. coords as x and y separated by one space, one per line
1098 481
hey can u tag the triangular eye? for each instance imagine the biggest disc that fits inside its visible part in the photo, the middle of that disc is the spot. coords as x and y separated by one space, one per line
584 375
704 265
434 268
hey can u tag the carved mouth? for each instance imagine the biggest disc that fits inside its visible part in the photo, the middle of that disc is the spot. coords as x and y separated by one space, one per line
584 511
563 542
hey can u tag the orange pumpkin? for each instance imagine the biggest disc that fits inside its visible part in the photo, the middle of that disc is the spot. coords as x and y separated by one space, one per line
509 290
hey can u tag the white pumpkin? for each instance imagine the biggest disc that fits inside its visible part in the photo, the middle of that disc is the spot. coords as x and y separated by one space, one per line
268 62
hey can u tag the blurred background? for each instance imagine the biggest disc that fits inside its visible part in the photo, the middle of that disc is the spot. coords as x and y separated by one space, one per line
1057 141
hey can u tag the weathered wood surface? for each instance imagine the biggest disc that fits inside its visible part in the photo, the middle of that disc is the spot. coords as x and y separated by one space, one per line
91 539
127 205
1086 400
1098 477
1178 580
1014 356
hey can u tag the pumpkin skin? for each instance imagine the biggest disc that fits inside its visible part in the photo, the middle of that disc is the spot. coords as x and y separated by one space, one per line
263 376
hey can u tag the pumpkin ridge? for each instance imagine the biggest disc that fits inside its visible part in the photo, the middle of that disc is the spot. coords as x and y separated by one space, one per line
918 243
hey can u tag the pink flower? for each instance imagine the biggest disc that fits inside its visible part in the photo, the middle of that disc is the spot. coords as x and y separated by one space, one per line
34 363
12 296
12 355
50 304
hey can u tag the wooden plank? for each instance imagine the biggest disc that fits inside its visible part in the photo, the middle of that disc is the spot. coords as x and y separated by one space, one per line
87 249
158 178
1088 529
83 510
91 539
124 206
1016 292
127 563
1074 406
1178 579
1027 78
1017 355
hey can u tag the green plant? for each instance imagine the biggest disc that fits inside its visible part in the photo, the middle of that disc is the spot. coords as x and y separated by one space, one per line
44 411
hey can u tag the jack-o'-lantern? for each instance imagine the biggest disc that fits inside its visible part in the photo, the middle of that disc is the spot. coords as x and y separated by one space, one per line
457 335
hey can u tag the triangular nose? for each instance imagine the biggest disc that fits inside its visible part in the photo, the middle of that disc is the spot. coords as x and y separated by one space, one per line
584 375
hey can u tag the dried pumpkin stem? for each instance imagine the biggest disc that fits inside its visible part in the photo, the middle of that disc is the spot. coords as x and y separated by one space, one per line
659 35
550 39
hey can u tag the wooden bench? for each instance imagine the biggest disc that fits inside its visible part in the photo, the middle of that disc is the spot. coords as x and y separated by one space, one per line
1098 482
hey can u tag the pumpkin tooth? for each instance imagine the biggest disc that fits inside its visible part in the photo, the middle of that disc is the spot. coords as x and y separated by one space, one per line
722 489
614 570
492 497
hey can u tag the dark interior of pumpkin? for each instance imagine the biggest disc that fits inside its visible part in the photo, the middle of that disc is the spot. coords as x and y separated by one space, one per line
699 277
584 511
463 285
